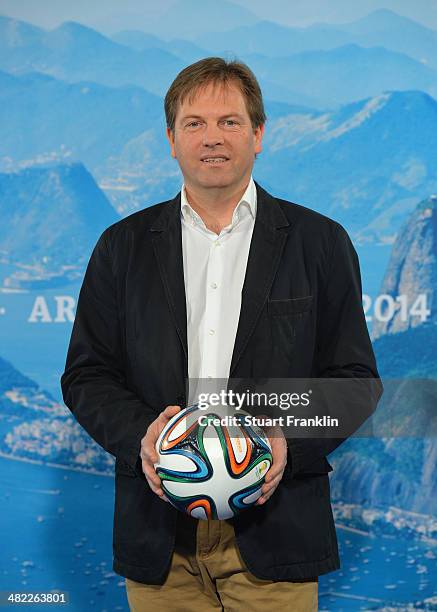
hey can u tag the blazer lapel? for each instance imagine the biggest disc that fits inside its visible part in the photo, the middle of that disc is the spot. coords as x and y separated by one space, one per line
167 244
264 256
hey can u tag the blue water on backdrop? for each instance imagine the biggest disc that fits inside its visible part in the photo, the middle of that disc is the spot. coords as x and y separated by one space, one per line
57 534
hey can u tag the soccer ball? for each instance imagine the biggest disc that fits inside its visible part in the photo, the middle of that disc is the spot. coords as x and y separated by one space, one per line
212 463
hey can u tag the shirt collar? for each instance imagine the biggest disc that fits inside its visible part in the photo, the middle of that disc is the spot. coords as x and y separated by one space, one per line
246 205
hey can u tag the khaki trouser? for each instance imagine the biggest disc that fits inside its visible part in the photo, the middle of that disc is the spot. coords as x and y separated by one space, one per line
207 573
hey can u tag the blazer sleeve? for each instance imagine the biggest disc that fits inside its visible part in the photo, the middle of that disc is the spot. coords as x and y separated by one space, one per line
343 350
93 383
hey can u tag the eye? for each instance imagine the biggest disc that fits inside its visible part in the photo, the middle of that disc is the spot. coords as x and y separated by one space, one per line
192 124
231 122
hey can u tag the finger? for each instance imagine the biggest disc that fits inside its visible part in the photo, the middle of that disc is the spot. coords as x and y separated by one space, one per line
162 494
260 501
149 456
170 411
152 485
151 475
156 489
271 485
157 426
148 451
267 490
265 497
162 421
272 474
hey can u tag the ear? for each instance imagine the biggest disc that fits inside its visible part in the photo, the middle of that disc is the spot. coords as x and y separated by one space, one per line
170 138
258 134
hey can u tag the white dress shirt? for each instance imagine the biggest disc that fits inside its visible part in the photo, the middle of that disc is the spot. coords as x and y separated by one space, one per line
214 272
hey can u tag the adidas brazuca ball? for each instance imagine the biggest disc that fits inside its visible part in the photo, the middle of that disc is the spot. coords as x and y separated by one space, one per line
212 463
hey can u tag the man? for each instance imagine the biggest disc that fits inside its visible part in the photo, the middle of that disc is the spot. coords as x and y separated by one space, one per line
222 281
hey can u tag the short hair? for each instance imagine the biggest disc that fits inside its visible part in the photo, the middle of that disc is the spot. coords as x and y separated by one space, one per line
215 70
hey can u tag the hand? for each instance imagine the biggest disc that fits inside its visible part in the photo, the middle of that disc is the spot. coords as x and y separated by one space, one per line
279 453
148 452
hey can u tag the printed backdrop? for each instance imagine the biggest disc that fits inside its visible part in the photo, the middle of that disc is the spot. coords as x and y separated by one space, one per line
351 97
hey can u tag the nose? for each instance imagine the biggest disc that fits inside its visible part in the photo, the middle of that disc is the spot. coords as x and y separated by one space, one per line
212 135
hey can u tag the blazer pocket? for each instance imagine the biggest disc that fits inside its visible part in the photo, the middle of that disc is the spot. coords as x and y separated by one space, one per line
292 306
321 466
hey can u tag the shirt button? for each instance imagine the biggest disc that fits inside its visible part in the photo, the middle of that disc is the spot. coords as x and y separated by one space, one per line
217 243
213 285
211 332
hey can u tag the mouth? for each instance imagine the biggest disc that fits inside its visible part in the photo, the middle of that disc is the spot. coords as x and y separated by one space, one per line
214 160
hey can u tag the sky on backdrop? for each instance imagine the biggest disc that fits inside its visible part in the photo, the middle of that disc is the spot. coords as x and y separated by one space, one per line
102 14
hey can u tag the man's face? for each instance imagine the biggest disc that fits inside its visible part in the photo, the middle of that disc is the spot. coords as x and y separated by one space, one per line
215 125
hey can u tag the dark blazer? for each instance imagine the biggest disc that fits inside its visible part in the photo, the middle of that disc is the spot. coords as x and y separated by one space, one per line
128 359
